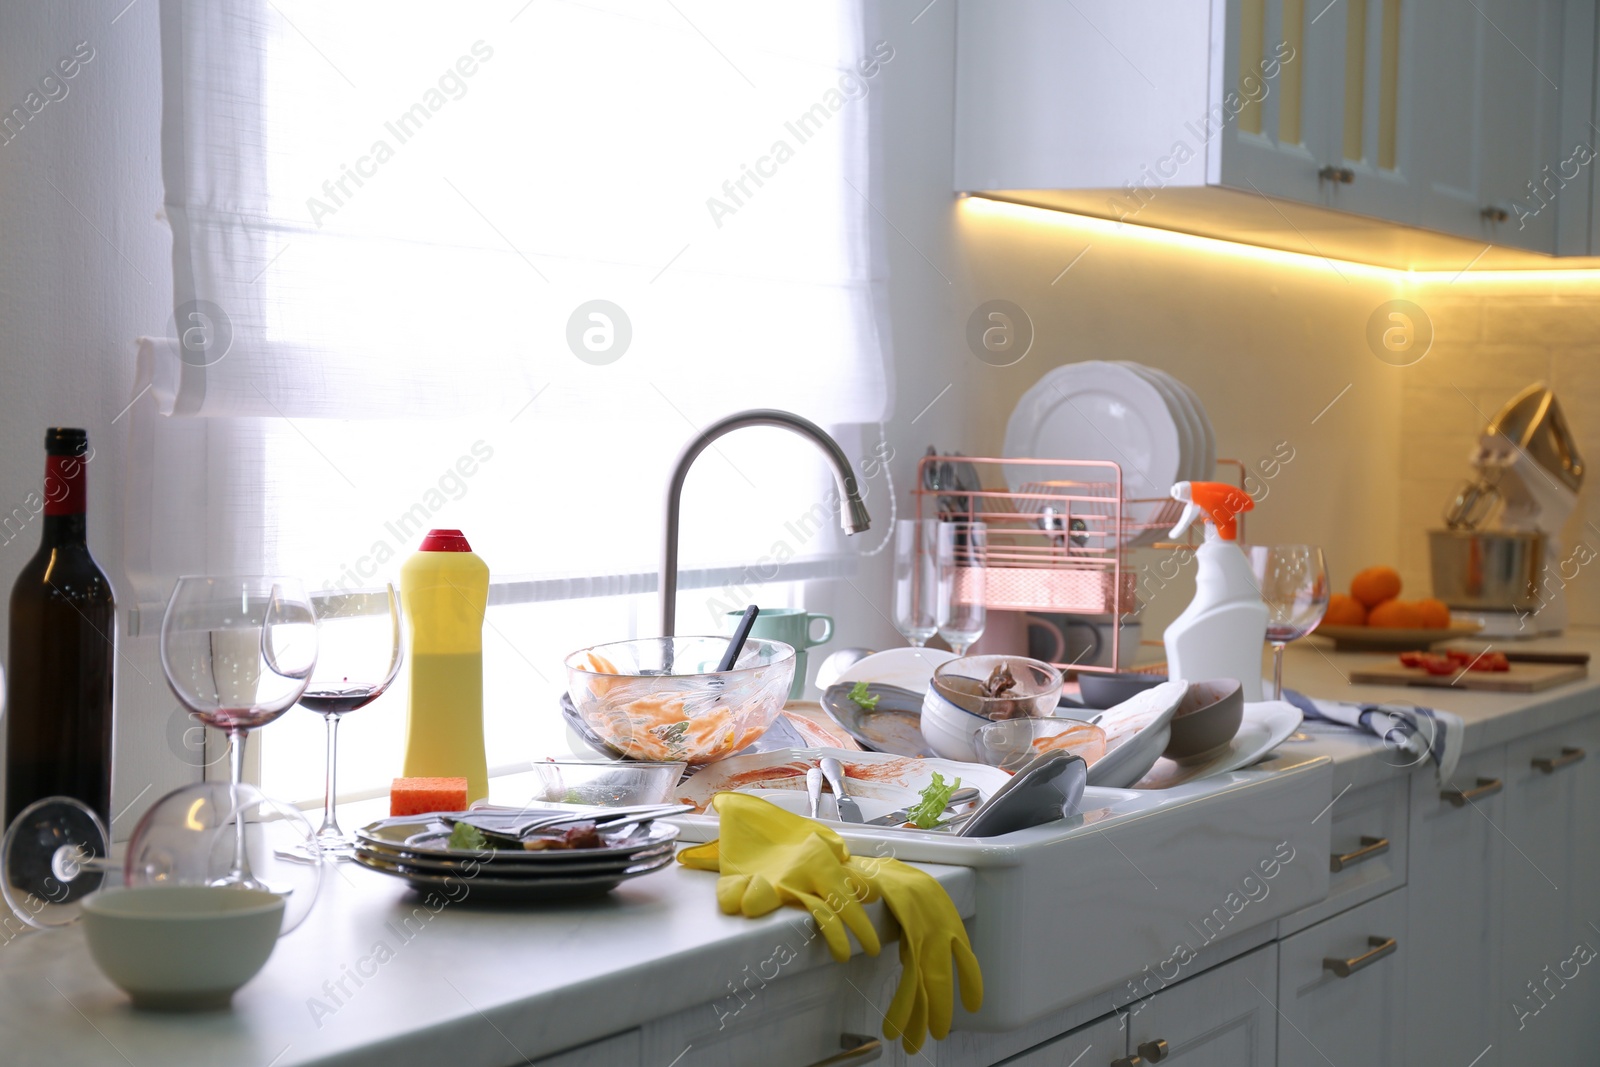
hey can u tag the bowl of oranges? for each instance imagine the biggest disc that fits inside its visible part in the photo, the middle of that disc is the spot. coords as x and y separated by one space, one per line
1372 617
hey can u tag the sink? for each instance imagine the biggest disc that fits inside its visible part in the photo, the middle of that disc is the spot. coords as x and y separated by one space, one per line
1075 909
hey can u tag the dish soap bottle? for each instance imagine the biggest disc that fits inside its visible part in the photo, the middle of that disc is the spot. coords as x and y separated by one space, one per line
1221 633
444 590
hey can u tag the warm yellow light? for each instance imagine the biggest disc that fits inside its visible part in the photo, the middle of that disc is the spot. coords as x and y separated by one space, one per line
189 819
1091 228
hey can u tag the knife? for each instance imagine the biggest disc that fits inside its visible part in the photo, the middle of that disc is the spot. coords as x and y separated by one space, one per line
833 771
961 796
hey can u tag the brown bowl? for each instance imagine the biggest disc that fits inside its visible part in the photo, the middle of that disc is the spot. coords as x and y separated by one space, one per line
1206 720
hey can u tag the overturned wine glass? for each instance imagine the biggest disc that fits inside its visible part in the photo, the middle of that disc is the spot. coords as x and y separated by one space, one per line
57 851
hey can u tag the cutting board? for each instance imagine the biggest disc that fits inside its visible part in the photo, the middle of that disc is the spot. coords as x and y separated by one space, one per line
1521 678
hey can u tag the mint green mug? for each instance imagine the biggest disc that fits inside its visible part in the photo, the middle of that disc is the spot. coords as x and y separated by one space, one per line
792 626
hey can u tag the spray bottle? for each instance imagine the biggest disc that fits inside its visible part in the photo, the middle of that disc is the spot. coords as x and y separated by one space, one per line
1221 633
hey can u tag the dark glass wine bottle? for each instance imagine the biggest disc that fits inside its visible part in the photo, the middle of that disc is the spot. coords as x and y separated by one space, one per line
62 648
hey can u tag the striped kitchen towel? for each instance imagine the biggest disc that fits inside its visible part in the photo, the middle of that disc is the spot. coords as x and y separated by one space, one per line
1415 732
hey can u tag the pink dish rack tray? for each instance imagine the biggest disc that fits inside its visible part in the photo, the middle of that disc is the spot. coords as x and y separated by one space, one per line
1059 544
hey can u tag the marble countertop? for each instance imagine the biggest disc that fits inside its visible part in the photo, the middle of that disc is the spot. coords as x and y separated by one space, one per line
377 975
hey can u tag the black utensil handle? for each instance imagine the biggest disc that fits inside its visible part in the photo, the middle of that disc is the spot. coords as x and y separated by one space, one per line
741 634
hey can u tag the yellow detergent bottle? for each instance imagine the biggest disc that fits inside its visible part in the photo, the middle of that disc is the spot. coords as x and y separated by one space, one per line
444 590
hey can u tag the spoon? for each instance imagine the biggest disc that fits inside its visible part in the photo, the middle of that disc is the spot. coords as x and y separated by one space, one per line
741 634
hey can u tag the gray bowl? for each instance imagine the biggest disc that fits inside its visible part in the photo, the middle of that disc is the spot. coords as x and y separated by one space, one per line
1207 718
1102 691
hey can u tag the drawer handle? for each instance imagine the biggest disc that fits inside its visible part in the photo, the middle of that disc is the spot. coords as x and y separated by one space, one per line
1552 764
1370 847
1149 1052
1486 787
858 1048
1495 213
1381 947
1342 175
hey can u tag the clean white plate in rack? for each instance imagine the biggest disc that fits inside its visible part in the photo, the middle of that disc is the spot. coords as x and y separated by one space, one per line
1098 411
1188 423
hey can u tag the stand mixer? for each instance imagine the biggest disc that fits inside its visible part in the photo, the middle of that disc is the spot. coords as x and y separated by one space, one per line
1500 560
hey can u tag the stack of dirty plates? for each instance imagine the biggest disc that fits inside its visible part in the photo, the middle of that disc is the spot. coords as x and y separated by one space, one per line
417 849
1143 419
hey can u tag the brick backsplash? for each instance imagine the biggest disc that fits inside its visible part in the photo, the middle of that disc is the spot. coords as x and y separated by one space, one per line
1492 338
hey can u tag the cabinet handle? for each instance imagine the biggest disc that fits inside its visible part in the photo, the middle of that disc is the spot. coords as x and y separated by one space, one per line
858 1048
1381 947
1128 1061
1370 847
1154 1051
1342 175
1495 214
1487 787
1552 764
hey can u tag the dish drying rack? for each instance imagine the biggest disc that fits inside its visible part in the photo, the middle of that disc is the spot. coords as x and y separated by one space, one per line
1060 544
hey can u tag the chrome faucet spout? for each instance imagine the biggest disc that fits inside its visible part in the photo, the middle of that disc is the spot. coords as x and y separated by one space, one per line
853 515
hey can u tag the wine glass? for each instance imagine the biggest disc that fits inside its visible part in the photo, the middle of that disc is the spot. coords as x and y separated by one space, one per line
961 556
1293 582
238 651
916 579
56 851
358 656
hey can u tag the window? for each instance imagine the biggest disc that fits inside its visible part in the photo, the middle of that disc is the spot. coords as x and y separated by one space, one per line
392 226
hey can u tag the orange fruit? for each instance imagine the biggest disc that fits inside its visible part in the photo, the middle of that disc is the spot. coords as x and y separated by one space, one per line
1345 611
1435 613
1396 615
1375 585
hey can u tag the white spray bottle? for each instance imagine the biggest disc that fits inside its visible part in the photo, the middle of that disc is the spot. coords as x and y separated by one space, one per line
1222 631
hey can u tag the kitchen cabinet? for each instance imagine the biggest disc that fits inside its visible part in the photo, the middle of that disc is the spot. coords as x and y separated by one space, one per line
1100 1042
1454 912
1296 124
1341 987
621 1050
1551 894
1224 1017
1368 854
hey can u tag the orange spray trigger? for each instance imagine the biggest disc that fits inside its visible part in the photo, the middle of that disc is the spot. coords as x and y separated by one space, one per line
1218 502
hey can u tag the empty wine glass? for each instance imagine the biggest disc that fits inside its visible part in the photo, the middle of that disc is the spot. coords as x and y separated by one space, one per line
238 651
961 558
916 579
358 656
56 851
1293 582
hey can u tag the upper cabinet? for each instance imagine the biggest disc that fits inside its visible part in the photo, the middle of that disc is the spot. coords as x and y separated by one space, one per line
1312 125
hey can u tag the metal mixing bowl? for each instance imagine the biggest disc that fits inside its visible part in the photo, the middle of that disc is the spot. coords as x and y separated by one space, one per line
1481 570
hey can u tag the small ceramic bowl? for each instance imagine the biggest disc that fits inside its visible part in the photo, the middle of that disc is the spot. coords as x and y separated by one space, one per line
1038 688
1011 743
950 731
181 948
1101 690
1207 718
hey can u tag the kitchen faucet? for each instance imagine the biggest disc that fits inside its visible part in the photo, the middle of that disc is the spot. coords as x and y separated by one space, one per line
853 515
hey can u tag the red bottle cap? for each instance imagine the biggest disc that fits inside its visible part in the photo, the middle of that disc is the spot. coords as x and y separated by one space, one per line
445 541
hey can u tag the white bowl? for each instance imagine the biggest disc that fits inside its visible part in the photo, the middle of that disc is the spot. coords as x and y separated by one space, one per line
181 948
951 732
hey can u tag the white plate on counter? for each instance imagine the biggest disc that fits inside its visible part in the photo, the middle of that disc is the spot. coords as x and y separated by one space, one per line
909 668
1265 726
1136 731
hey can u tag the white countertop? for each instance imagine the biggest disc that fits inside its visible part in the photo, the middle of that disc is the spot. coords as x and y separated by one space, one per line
480 985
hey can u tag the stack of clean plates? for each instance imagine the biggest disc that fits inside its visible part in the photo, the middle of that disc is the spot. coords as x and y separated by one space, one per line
416 849
1141 418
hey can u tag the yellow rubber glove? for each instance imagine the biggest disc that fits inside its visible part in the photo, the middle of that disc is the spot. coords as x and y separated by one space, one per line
769 857
931 933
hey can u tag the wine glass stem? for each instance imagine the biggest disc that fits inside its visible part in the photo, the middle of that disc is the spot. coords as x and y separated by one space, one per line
1277 669
330 821
241 863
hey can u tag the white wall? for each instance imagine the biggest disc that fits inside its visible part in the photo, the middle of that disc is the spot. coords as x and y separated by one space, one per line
84 269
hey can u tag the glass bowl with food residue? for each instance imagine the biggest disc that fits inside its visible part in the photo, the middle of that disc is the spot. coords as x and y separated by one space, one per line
663 699
1000 687
1010 743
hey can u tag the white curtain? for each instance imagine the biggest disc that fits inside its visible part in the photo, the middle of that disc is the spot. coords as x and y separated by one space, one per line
411 240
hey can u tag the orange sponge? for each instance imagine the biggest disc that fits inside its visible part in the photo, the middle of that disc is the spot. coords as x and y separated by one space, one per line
418 796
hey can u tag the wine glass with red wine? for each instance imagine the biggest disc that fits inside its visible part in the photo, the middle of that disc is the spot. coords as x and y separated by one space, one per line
238 652
358 657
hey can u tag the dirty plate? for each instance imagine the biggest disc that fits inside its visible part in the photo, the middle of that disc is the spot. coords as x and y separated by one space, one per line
894 725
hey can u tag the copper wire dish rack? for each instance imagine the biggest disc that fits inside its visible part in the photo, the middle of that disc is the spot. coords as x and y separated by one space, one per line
1058 545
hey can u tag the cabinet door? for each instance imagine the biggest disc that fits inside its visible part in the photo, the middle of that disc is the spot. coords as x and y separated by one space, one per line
1222 1018
1278 78
1372 142
1349 1014
1548 995
1088 1046
1489 96
1454 913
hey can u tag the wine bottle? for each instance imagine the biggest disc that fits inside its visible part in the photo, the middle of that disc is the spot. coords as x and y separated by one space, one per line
62 648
